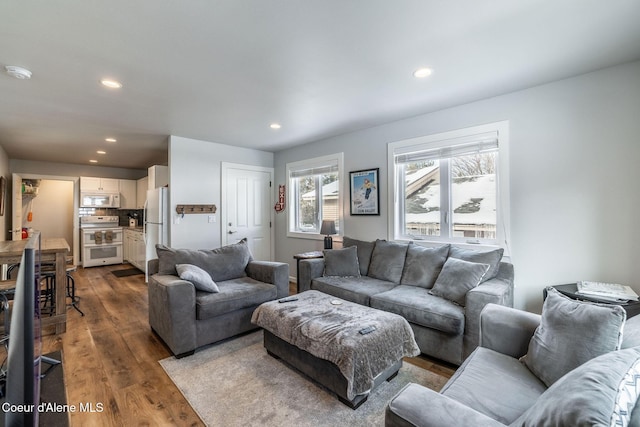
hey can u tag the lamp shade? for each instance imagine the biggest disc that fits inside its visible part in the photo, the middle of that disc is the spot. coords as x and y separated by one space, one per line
328 227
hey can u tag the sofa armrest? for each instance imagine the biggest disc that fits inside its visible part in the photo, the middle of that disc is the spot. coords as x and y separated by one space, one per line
172 311
416 405
276 273
309 270
507 330
497 291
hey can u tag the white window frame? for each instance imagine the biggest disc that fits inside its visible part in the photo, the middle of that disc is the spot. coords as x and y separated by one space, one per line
316 162
447 139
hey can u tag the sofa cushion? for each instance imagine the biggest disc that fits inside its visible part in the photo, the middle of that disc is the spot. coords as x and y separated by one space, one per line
354 289
571 333
341 262
417 306
602 391
235 294
200 278
422 265
457 278
227 262
365 249
494 384
492 258
387 261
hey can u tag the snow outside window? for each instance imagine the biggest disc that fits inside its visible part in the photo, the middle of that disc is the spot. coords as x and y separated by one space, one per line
314 195
451 187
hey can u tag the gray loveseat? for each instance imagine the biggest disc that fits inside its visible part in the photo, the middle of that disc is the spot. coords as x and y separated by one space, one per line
435 289
583 381
231 286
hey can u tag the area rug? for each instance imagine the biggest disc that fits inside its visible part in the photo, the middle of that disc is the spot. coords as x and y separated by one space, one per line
236 383
126 272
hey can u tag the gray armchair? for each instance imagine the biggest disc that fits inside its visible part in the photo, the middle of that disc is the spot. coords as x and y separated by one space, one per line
494 388
187 318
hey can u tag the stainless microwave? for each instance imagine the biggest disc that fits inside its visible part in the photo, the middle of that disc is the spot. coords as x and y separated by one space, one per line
100 200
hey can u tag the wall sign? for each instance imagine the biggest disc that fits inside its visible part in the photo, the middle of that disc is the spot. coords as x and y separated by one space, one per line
280 205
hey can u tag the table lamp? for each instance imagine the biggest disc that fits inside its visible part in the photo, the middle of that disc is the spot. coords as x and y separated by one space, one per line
328 228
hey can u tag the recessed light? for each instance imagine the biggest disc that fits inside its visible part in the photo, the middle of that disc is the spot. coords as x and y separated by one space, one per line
18 72
110 139
421 73
101 152
93 161
111 84
275 126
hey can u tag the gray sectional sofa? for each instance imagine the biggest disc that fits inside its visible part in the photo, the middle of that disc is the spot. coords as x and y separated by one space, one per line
575 370
440 291
198 297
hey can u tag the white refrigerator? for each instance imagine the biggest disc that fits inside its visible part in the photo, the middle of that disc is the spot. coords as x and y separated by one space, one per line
155 223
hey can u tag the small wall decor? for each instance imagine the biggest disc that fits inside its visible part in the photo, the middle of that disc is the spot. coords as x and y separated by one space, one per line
195 209
365 194
280 205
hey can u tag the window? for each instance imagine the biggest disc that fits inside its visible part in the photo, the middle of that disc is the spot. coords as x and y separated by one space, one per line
452 186
314 194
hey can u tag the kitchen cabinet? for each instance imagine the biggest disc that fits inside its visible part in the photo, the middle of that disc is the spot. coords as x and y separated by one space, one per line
108 185
128 193
158 176
141 195
134 248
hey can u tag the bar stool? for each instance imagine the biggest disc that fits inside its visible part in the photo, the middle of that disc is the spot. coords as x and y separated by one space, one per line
48 276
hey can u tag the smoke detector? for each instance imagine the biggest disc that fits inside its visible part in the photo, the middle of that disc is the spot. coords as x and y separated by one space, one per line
18 72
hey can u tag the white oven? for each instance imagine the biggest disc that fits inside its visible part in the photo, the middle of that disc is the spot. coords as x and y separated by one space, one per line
101 241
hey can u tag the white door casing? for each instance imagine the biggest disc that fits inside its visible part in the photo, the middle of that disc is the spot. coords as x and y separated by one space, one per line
16 208
246 208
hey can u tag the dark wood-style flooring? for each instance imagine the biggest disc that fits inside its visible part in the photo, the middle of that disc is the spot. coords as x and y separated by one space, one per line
111 356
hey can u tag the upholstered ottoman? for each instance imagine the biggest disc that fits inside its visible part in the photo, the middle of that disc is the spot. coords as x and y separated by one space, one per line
325 338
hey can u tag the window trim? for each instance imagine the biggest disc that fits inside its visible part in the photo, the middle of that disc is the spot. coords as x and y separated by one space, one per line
309 164
503 220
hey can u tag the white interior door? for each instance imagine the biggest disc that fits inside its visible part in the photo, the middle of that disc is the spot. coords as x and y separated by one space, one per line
16 208
246 210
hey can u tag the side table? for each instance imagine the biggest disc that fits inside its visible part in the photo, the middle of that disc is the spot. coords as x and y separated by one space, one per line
304 255
571 290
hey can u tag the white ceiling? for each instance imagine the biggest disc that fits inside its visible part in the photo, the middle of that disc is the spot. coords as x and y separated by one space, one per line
223 70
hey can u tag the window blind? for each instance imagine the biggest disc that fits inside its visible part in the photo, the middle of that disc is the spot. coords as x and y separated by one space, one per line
317 170
474 144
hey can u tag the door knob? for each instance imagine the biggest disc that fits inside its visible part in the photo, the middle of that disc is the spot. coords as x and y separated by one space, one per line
231 232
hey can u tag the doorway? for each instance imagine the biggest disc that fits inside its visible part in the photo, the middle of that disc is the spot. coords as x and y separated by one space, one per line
247 201
49 204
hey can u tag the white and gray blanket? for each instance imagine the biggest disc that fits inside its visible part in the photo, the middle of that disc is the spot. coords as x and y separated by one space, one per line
331 332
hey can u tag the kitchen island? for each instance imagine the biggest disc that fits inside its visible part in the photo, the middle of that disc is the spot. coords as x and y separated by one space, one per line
52 250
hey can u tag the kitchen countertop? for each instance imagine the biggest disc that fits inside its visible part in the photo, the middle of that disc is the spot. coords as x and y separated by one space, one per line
137 229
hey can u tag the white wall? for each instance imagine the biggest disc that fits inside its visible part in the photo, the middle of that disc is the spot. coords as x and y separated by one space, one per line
574 150
194 178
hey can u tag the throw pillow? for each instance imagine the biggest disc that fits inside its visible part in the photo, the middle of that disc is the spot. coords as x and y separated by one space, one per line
571 333
492 258
603 391
423 265
457 278
227 262
365 249
200 278
387 261
341 262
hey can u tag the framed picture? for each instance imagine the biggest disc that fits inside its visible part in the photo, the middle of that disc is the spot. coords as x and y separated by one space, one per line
365 194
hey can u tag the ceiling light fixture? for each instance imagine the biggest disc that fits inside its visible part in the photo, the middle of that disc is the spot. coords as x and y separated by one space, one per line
101 152
110 139
275 126
421 73
111 84
93 161
18 72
